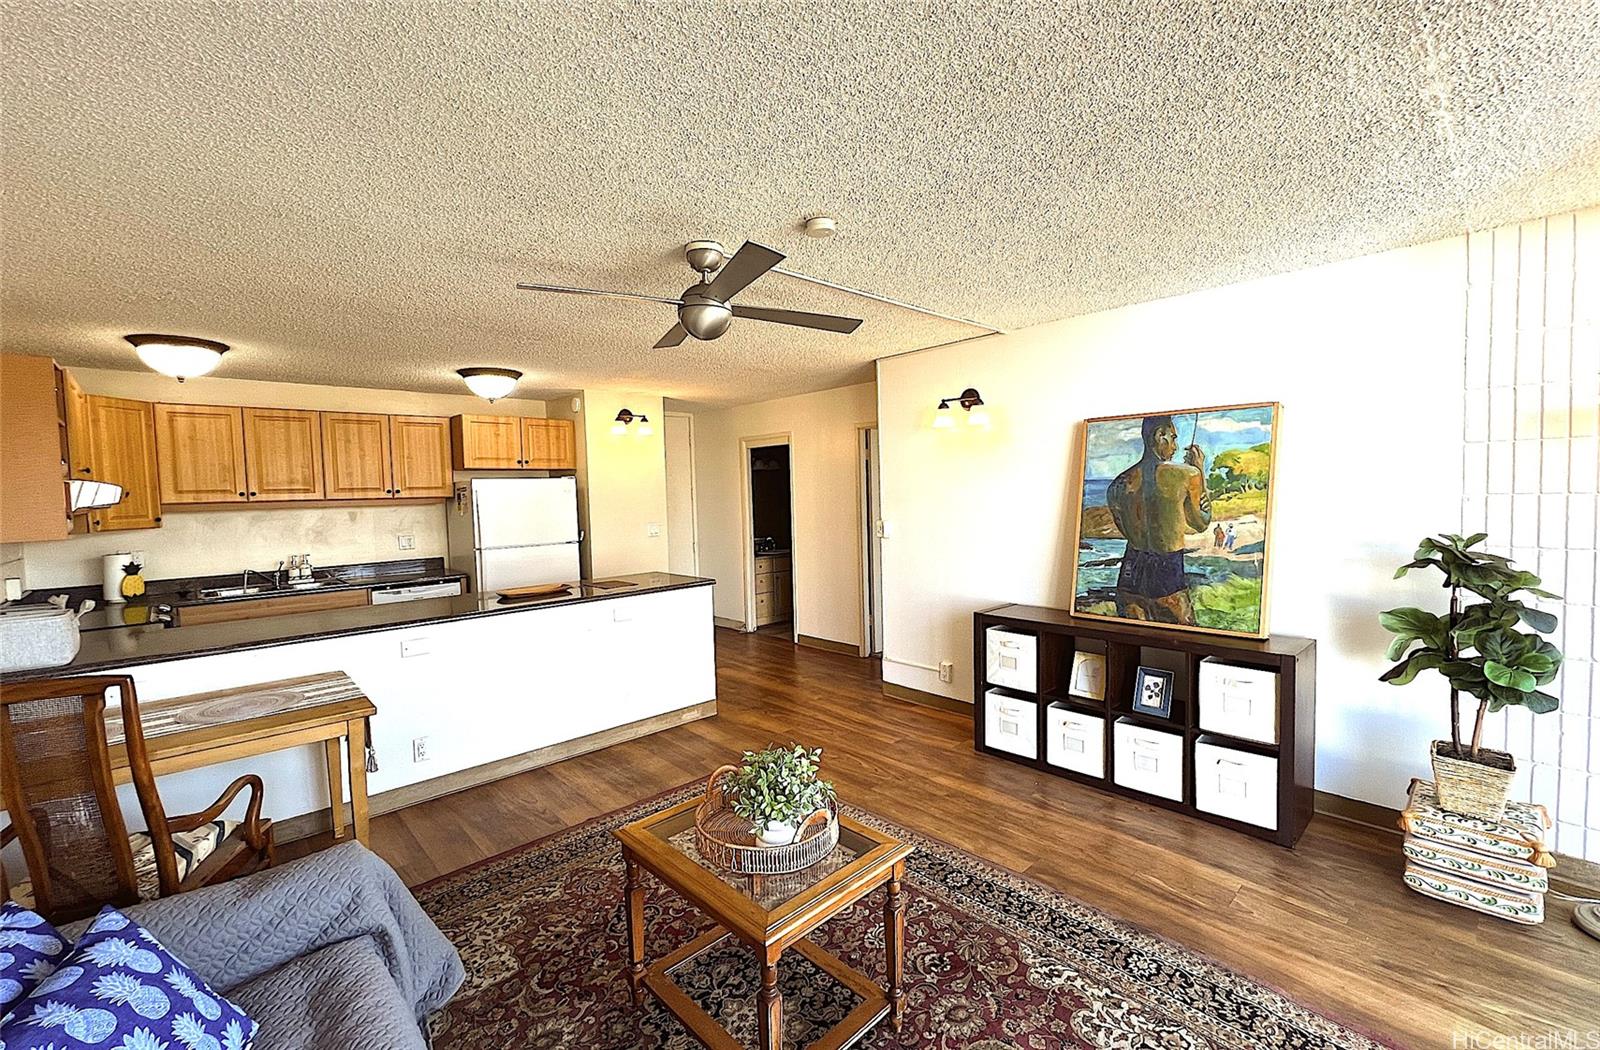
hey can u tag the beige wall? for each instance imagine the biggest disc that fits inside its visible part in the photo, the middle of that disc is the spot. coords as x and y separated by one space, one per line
625 485
823 466
194 543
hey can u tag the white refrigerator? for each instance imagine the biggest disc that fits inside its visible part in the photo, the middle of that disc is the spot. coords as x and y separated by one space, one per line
515 532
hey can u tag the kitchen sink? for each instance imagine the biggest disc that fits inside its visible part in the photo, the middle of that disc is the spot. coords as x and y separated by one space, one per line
231 592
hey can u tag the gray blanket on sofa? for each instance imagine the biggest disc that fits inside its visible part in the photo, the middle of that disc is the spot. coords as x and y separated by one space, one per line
329 951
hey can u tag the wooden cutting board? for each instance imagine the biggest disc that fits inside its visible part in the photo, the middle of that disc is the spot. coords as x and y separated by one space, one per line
538 590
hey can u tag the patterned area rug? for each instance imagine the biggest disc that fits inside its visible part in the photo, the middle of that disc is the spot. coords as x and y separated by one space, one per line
993 962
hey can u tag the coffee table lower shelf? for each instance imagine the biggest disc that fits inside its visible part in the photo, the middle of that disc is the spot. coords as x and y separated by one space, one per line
873 1008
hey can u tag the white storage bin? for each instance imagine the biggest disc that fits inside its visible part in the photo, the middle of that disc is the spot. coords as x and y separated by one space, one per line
1240 785
1013 660
1148 760
1011 724
1075 741
1239 701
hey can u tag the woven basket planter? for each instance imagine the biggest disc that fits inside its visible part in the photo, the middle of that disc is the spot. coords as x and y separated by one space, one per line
1471 788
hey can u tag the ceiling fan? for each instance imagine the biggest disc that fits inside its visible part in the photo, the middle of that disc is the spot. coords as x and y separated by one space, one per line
704 310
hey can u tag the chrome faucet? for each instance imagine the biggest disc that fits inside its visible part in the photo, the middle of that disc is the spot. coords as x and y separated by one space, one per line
244 581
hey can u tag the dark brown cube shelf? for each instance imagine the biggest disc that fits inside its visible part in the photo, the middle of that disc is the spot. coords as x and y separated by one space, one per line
1126 646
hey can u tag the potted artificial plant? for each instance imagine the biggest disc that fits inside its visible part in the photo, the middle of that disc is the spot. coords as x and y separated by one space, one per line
1482 651
777 789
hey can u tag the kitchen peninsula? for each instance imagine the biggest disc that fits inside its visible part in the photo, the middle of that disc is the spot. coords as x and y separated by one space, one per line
468 688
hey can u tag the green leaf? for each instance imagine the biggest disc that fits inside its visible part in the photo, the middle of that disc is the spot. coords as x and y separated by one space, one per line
1403 673
1541 703
1418 564
1475 539
1538 619
1509 677
1415 623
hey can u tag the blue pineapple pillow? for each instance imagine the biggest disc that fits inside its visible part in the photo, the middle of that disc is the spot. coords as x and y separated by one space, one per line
119 989
30 950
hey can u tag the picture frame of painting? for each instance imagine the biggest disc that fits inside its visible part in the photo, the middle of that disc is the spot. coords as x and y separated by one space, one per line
1152 692
1088 681
1174 524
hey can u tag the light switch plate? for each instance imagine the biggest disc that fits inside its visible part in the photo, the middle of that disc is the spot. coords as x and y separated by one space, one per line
13 588
407 543
653 529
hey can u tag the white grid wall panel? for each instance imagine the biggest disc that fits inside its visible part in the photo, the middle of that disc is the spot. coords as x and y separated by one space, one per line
1531 473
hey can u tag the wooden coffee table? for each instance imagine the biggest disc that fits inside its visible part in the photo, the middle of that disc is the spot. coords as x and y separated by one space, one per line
771 914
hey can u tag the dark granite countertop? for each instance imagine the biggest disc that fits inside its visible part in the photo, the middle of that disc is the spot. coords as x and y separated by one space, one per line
131 646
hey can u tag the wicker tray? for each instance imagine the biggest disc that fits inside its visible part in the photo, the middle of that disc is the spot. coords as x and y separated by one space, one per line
728 841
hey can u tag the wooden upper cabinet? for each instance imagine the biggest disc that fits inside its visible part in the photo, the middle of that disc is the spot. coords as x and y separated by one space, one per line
283 453
200 453
80 458
33 459
549 444
355 456
122 436
420 451
486 442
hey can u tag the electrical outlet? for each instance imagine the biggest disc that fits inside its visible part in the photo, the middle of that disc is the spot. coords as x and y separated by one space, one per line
419 749
653 529
407 543
947 671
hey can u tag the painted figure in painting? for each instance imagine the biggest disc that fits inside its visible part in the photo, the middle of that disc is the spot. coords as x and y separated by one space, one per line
1154 505
1176 532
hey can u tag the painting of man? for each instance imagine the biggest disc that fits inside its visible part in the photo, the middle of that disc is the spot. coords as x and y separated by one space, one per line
1175 531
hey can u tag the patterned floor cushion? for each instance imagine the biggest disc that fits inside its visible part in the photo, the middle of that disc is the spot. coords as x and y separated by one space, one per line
191 847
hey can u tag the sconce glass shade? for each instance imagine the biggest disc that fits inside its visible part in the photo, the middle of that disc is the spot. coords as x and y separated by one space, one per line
619 428
178 356
978 417
645 429
491 384
943 419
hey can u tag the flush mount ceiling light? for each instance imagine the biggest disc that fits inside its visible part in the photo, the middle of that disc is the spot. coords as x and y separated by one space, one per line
625 417
491 384
178 356
820 226
968 399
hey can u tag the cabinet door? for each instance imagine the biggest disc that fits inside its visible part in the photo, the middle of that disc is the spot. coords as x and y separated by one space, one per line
79 457
122 434
486 442
355 456
33 463
283 453
421 453
200 453
549 444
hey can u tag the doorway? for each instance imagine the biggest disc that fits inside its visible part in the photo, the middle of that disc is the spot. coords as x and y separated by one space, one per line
871 542
769 535
683 535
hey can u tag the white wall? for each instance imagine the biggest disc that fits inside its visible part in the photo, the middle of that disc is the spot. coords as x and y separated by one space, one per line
625 485
823 466
1531 466
1366 357
196 542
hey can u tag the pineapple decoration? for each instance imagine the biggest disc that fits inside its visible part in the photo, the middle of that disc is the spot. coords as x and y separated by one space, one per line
132 580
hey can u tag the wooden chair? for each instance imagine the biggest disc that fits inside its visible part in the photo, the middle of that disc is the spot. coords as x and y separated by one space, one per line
58 788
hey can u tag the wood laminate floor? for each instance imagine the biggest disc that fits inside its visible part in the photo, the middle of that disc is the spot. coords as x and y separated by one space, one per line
1329 923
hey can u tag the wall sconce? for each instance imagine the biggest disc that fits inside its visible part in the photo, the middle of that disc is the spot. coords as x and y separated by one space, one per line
491 384
969 400
625 417
178 356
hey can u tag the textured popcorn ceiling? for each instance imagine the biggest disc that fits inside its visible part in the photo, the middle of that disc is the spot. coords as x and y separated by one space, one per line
347 192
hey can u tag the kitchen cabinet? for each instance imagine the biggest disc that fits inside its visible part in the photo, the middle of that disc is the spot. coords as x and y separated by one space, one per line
200 453
283 454
420 451
774 591
79 461
33 450
356 456
513 443
122 444
276 605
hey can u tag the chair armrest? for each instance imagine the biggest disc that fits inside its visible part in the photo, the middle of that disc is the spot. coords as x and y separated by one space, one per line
252 817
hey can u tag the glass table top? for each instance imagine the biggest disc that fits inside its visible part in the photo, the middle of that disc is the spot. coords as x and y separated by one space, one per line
767 891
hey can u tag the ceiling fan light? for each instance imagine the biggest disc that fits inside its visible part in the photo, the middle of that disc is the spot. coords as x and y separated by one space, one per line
491 384
178 356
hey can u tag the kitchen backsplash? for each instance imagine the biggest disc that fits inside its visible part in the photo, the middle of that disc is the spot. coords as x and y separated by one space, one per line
208 542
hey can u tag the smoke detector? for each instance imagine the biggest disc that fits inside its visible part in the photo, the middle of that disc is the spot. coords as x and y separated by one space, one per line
820 226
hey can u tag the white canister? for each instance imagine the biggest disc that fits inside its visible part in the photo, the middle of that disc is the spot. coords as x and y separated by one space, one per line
111 575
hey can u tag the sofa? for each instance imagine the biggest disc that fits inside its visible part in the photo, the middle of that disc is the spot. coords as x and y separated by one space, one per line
329 951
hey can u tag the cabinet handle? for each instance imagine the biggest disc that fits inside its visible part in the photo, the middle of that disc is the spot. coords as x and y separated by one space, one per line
85 470
241 494
397 492
158 519
252 492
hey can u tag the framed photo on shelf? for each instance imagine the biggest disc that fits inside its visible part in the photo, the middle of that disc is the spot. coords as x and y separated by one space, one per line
1152 692
1088 681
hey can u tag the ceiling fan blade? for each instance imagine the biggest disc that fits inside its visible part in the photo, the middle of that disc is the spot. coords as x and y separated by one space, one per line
749 262
595 291
675 335
799 318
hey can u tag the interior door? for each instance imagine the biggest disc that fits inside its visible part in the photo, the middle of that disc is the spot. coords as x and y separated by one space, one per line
355 456
200 453
122 434
683 555
283 453
874 542
420 447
